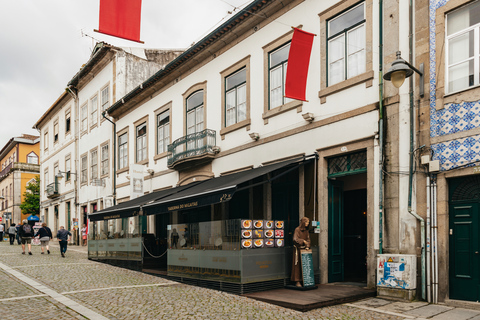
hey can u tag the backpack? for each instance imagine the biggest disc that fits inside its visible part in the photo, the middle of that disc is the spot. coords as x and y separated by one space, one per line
27 228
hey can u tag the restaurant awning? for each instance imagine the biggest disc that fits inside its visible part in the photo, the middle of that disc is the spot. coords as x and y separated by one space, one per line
217 190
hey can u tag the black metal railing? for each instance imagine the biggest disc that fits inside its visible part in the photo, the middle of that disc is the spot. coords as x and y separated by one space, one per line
192 145
52 189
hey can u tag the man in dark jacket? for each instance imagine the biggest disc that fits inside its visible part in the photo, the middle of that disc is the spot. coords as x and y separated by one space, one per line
63 236
26 234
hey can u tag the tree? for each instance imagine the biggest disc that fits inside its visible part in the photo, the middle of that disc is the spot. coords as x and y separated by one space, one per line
31 198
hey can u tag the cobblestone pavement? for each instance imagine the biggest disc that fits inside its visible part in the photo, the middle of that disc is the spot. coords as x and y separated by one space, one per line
116 293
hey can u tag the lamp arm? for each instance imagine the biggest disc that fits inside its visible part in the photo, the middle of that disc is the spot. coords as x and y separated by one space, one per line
420 72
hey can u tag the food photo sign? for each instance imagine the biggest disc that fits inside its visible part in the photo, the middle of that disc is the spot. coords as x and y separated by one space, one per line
262 234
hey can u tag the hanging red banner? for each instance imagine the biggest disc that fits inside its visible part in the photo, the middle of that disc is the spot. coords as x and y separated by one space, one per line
121 18
298 61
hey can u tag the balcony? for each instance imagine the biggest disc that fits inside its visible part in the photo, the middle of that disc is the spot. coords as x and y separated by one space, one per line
193 149
6 170
52 190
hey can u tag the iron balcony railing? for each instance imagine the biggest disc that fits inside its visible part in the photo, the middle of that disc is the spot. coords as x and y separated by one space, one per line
6 170
52 189
192 145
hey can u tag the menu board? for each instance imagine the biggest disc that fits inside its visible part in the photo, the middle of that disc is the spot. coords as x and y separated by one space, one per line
262 234
307 268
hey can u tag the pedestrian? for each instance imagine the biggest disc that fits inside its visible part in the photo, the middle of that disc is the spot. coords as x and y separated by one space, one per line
84 235
45 235
63 236
19 240
12 231
2 228
26 234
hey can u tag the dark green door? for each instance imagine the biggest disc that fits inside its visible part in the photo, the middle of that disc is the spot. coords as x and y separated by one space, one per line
335 231
464 251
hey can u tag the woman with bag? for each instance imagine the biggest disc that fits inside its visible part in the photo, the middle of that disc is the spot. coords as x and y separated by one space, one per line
45 235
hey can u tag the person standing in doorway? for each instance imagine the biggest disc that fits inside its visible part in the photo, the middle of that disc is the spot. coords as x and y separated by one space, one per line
84 235
26 234
63 236
45 235
12 231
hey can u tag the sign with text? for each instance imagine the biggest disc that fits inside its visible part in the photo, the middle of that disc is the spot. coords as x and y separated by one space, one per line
307 268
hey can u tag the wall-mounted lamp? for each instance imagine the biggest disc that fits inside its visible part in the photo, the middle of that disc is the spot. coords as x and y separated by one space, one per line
254 136
59 174
400 70
308 116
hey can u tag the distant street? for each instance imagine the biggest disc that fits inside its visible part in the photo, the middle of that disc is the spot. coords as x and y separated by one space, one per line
51 287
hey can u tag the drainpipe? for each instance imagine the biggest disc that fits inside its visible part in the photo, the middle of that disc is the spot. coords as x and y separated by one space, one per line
380 128
114 158
410 173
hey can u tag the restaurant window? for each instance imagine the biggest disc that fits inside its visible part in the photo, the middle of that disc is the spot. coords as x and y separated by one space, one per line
277 69
84 117
105 98
236 97
105 162
141 147
346 45
163 131
93 114
123 151
94 164
84 169
463 43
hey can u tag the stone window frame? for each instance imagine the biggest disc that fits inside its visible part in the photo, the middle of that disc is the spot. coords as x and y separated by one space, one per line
162 109
267 49
106 143
135 125
194 88
368 75
119 134
91 110
90 164
243 63
83 183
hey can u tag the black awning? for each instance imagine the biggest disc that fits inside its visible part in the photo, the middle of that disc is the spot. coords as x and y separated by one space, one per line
215 190
131 208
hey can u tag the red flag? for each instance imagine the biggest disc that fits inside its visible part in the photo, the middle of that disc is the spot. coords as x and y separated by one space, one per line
121 18
298 61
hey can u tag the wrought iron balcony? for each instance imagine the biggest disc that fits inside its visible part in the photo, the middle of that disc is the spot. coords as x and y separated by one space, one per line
198 146
52 190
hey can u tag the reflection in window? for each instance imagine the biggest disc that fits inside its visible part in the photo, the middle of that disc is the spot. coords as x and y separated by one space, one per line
236 97
278 61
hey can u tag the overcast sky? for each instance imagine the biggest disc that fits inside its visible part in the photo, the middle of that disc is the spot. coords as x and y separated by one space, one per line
42 47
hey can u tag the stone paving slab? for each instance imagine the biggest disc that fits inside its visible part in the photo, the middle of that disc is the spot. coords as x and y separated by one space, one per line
428 311
372 303
457 314
40 308
400 307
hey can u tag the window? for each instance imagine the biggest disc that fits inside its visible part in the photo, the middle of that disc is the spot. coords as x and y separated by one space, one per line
105 96
67 168
277 66
45 176
45 141
123 151
67 122
463 42
141 142
94 164
105 156
55 132
236 97
84 120
55 170
163 131
32 158
93 114
84 169
346 45
195 121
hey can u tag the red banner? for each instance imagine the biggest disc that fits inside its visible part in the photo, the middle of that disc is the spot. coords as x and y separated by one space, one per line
298 61
121 18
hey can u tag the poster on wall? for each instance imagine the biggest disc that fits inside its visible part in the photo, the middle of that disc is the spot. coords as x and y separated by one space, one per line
262 234
136 180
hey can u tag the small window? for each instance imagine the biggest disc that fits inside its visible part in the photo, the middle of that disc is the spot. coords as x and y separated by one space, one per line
105 157
141 142
45 141
94 112
55 132
163 131
123 151
67 169
94 165
67 123
32 158
84 117
84 170
346 45
278 62
236 97
45 176
105 98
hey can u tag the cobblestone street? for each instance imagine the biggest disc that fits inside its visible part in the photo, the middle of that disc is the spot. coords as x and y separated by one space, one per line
51 287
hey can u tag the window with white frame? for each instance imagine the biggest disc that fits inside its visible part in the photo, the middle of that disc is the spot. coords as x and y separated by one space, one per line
67 168
236 97
277 67
163 131
346 45
105 157
55 132
84 169
141 135
67 122
105 96
32 158
94 110
84 117
463 48
94 164
195 121
123 151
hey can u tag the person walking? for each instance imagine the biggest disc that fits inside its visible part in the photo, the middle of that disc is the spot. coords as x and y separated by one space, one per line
84 235
19 241
45 235
26 234
12 231
63 236
2 228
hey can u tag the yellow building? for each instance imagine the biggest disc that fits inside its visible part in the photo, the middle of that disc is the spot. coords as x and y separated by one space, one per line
19 161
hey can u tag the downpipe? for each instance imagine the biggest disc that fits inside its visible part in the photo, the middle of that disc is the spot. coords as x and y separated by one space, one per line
429 289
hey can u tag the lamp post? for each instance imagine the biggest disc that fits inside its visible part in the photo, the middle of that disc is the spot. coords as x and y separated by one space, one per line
400 70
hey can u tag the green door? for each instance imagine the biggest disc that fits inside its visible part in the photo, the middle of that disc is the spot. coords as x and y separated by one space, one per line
335 231
464 251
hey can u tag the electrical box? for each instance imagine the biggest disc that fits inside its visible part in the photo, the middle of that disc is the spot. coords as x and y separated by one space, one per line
434 166
425 159
397 271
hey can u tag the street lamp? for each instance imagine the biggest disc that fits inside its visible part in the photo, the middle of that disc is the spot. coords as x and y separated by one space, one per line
400 70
